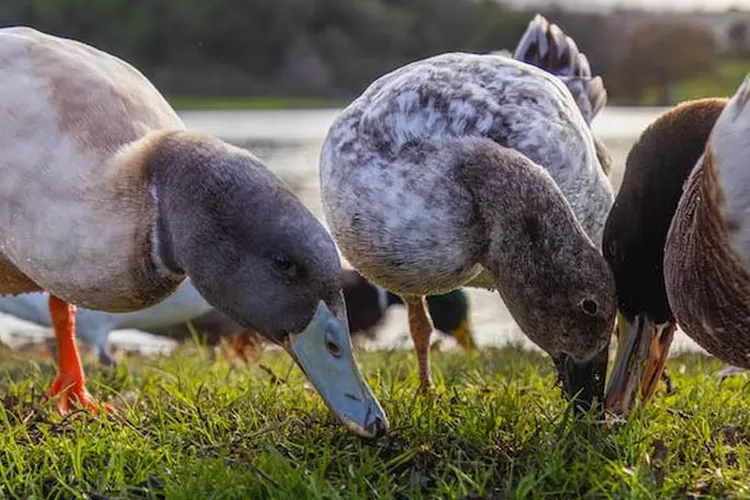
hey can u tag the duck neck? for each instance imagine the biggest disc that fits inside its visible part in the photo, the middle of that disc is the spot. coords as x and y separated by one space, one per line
533 242
656 169
190 179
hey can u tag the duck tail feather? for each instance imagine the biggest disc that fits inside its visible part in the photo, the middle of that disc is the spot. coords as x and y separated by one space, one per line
546 46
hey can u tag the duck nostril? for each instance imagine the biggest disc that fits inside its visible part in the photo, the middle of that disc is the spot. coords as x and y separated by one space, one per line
333 348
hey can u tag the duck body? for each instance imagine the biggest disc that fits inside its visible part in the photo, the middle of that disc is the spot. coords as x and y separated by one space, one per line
707 252
421 115
95 326
477 170
107 202
49 206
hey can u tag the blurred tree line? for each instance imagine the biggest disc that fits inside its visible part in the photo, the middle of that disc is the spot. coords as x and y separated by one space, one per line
336 47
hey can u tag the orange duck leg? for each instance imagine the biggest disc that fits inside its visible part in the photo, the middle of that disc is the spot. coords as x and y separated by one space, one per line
70 383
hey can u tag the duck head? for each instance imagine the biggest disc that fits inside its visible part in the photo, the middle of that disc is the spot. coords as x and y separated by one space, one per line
450 315
258 255
634 236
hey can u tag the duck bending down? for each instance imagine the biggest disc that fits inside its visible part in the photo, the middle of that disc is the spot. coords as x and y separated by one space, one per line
107 202
657 166
479 170
706 272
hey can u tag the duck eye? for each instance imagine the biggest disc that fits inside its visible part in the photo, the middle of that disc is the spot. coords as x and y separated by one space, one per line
333 348
589 306
285 265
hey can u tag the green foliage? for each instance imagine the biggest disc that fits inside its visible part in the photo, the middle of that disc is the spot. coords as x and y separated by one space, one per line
335 48
244 48
189 427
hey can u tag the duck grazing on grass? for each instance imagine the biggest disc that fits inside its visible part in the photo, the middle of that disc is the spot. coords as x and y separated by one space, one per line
706 272
106 201
656 169
480 170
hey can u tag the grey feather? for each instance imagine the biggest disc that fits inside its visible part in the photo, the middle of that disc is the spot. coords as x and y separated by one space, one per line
546 46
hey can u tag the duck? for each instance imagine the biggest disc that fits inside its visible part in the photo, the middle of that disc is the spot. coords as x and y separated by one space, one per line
480 170
108 202
95 326
704 271
656 168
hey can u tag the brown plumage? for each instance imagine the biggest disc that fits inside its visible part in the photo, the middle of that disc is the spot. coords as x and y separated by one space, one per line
677 240
707 282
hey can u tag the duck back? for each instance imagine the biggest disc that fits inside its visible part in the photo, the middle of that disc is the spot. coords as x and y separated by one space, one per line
70 113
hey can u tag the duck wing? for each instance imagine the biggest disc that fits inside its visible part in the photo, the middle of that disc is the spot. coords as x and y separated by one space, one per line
546 46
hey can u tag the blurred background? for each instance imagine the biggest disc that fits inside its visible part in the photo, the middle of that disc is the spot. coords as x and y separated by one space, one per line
650 52
271 75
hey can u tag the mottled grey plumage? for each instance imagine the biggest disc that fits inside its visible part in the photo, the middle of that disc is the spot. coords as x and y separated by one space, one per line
434 174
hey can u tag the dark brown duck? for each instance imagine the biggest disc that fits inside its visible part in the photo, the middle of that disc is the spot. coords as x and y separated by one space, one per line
706 257
705 249
656 169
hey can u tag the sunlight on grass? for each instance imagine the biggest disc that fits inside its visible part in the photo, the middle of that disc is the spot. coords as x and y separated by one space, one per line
191 427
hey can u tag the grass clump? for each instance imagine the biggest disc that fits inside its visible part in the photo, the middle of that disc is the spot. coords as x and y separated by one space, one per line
191 427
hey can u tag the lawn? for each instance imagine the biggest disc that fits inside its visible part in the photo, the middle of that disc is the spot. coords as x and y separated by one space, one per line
188 426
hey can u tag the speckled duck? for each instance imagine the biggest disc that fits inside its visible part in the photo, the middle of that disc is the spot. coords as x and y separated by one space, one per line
481 170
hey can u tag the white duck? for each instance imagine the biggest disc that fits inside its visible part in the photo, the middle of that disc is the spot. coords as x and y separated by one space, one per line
106 201
95 326
480 170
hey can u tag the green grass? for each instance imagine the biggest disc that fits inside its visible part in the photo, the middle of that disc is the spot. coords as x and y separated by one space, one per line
253 103
190 427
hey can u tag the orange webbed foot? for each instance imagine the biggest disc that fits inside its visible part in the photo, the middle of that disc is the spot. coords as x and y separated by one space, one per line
238 344
247 339
73 395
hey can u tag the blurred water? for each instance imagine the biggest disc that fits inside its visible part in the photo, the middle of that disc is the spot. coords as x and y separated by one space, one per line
289 141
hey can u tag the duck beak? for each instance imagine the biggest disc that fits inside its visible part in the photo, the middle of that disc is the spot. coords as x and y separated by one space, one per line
462 334
324 352
582 382
642 350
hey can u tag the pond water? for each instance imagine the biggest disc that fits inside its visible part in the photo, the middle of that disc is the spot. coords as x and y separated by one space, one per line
289 141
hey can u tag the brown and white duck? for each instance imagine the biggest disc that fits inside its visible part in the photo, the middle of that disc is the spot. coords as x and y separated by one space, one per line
678 242
106 201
